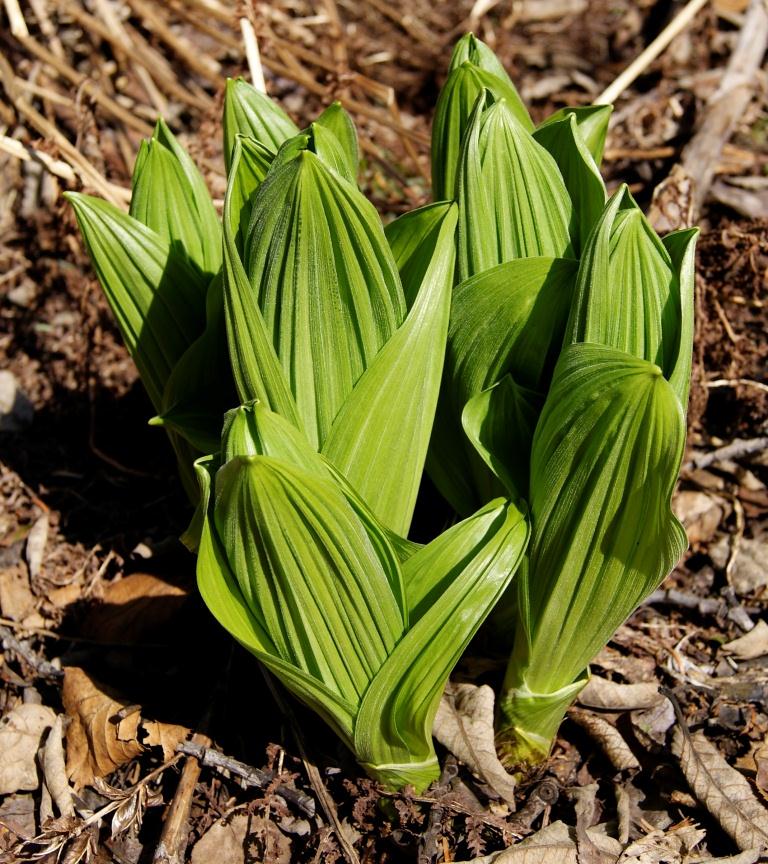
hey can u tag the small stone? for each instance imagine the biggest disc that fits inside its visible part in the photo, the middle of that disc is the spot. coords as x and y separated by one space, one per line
16 411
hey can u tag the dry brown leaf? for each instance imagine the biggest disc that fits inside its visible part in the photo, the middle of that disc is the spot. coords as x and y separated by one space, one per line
16 598
756 762
608 737
17 819
555 844
20 733
722 790
664 847
464 725
99 738
225 841
54 770
701 513
651 726
752 644
611 696
133 607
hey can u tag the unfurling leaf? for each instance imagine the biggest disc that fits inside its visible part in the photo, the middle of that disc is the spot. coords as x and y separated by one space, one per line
605 458
170 197
507 321
512 200
157 298
564 141
253 114
393 403
324 282
412 238
473 68
592 122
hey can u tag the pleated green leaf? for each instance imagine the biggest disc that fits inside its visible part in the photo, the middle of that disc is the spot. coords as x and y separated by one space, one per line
157 298
255 366
253 161
499 423
563 140
508 319
308 571
254 430
473 68
512 200
200 387
336 120
325 281
222 595
628 292
592 121
321 141
170 197
380 437
681 246
412 238
452 585
249 112
470 49
606 455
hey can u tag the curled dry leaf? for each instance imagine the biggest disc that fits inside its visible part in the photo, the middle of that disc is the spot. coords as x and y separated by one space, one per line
722 790
99 737
750 645
612 696
464 725
555 844
20 733
660 847
54 770
651 726
608 737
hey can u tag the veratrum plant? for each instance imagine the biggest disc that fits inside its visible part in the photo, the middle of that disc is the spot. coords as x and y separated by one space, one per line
525 340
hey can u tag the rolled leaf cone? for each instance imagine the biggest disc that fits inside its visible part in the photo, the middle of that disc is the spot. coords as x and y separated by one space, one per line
632 295
169 196
473 68
249 112
606 456
512 200
324 281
